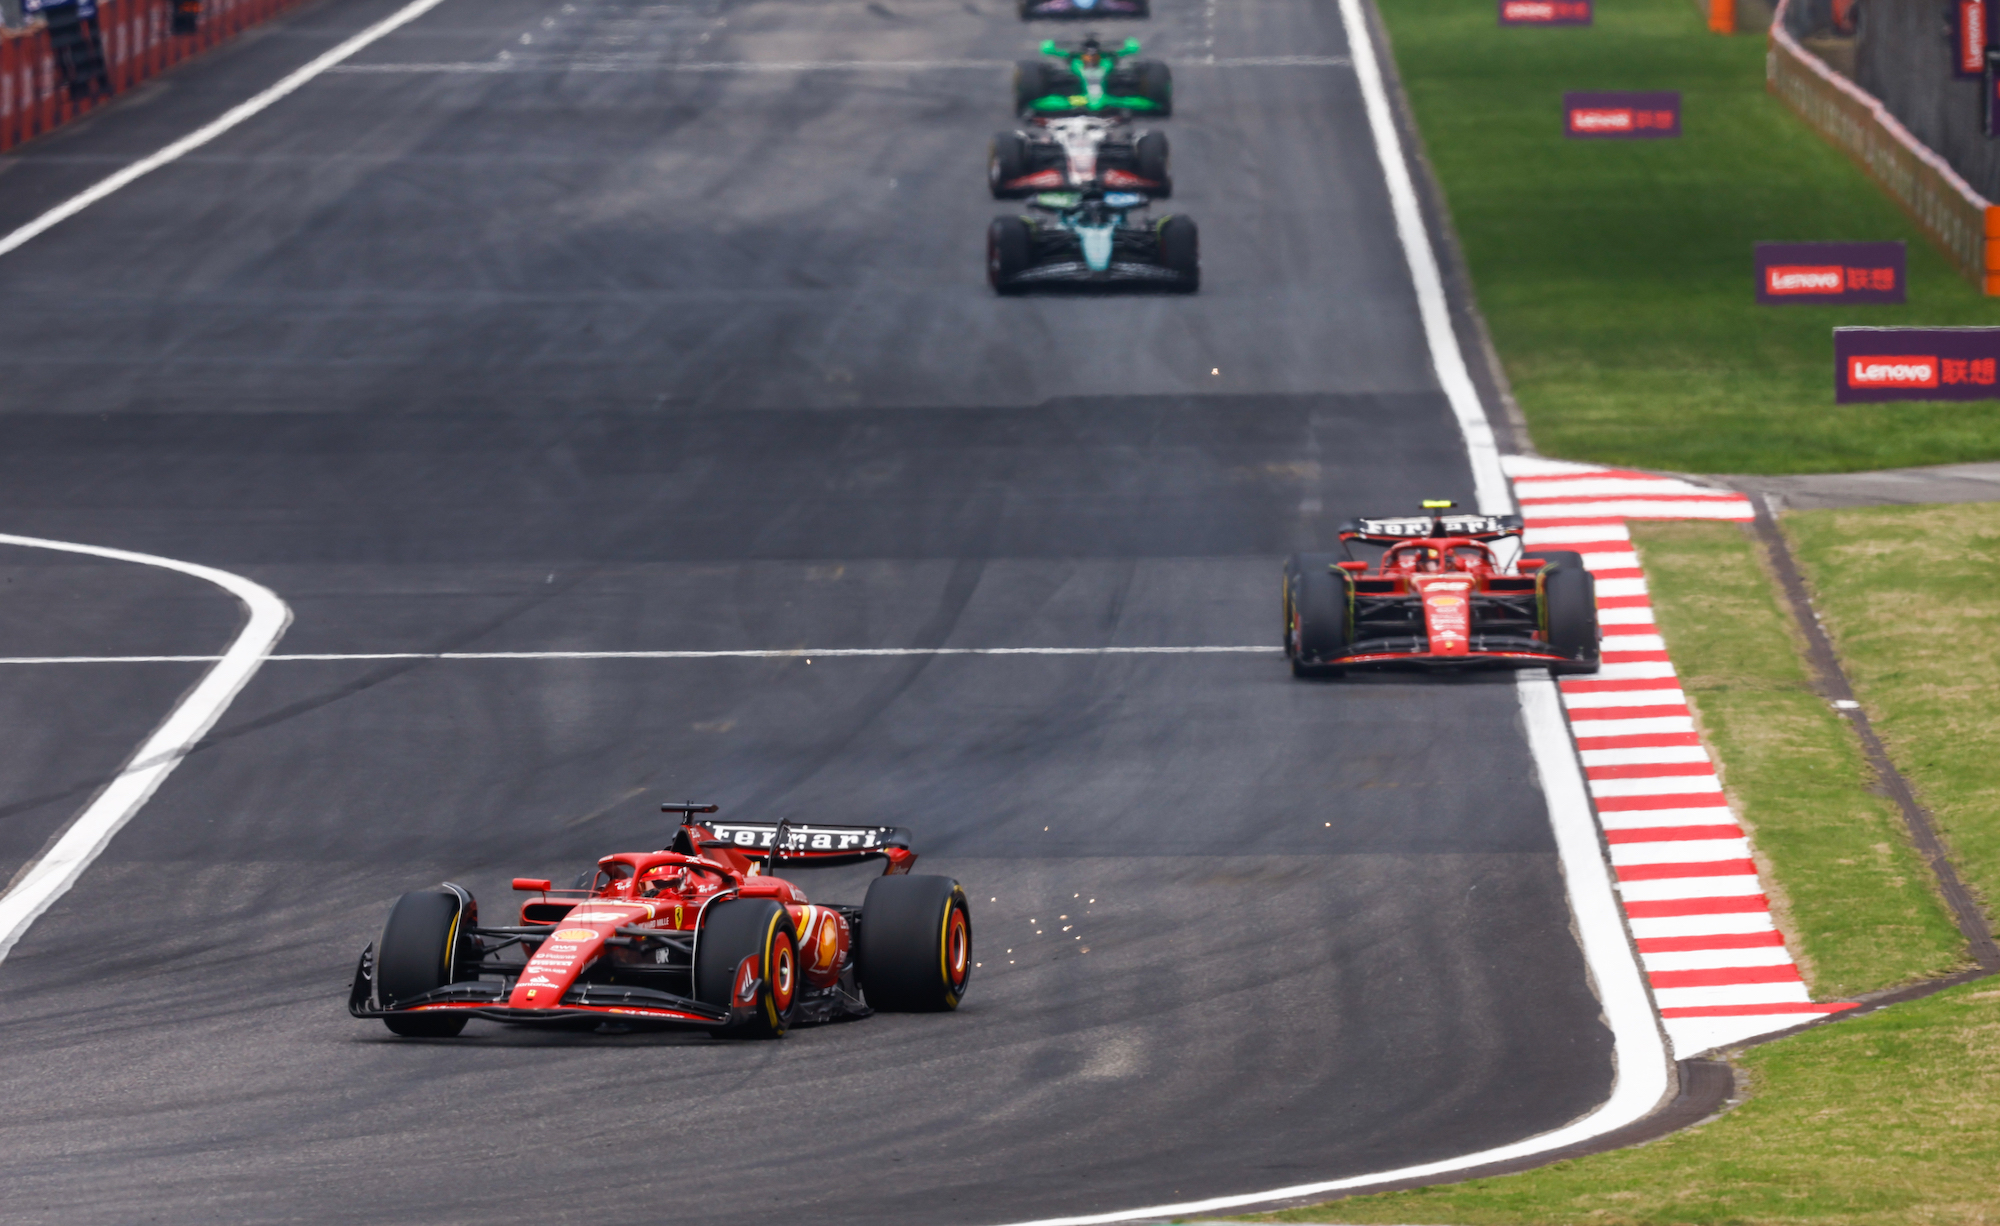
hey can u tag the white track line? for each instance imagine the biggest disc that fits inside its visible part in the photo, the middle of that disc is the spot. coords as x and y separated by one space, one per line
1639 1053
49 878
215 127
770 653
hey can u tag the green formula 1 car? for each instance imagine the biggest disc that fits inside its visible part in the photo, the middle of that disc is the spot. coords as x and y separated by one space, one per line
1086 79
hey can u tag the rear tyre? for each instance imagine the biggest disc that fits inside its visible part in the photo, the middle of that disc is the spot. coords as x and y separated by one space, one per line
1008 242
915 948
1316 614
1156 85
419 952
1152 160
1180 250
743 928
1006 161
1569 610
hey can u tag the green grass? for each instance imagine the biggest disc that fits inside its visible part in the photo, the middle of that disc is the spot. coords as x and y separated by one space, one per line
1908 595
1884 1120
1616 275
1858 906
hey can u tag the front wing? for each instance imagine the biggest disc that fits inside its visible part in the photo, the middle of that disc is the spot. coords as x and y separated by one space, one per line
1486 651
1080 273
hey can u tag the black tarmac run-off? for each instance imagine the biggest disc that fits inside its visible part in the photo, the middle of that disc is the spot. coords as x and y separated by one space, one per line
586 354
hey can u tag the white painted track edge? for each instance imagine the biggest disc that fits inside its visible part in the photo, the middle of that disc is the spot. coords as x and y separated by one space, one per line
50 877
1640 1062
230 118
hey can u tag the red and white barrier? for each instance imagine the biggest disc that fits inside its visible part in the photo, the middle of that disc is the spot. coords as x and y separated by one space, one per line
1699 914
138 41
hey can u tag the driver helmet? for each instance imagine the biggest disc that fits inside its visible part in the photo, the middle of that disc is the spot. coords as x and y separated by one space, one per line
1092 53
667 878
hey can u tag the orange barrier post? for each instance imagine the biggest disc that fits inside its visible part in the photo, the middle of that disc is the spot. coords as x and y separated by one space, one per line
1722 16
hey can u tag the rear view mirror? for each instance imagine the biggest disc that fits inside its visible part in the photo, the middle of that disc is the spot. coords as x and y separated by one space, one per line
1131 47
1532 563
1049 47
1352 568
532 883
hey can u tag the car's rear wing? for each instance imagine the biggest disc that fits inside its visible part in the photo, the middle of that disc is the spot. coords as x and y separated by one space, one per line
803 844
1387 530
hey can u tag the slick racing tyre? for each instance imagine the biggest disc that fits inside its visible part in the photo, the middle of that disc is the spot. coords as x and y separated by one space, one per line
1156 84
1316 614
1569 608
1006 161
1151 159
740 929
418 952
1180 250
1038 79
1008 243
915 949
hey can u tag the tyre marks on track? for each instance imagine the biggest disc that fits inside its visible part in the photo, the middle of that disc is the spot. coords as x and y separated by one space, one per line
1696 907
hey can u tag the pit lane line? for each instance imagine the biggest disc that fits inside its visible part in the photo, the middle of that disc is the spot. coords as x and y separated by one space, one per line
48 878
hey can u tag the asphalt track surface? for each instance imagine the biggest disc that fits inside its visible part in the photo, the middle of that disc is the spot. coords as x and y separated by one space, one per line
595 347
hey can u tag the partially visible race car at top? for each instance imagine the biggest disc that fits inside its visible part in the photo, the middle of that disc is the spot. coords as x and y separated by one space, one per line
1087 79
1444 592
1091 239
705 934
1078 153
1034 9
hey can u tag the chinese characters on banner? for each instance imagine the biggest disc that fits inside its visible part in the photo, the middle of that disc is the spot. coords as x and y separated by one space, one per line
1830 273
1622 116
1873 364
1546 12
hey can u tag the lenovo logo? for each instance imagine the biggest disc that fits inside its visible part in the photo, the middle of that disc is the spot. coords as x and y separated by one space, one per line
1892 372
1604 119
1528 10
1972 37
1796 279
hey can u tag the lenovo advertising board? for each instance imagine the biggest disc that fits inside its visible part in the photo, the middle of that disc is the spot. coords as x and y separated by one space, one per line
1647 115
1547 12
1874 364
1968 41
1830 273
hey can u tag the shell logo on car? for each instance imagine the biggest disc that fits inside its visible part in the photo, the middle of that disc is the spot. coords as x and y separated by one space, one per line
576 934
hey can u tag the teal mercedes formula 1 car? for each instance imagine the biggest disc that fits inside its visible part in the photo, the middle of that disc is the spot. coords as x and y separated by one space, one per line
1086 79
1090 240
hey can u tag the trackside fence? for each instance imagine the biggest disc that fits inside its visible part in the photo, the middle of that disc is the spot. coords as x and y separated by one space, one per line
1942 203
51 75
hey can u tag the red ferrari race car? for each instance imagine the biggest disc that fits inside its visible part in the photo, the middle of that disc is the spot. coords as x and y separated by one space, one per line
706 934
1446 592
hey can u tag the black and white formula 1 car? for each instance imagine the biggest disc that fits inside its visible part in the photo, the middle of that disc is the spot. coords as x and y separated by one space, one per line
1091 240
1078 154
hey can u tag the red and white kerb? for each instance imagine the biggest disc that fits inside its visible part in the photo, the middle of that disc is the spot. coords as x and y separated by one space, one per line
1696 908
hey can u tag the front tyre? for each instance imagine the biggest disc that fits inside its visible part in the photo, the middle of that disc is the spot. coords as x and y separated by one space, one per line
419 952
1316 614
748 960
1008 243
1569 609
1180 251
915 949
